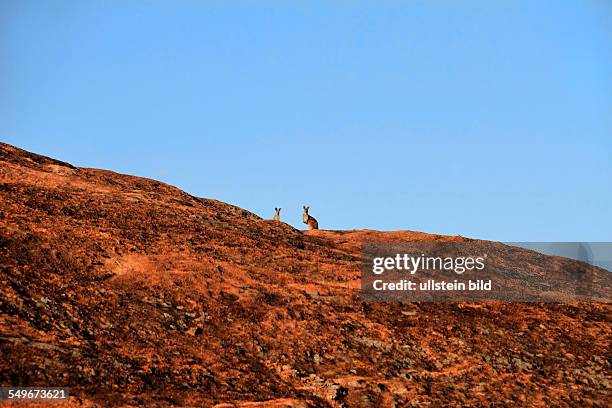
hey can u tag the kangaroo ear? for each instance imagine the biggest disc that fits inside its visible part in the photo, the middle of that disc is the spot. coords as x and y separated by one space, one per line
279 208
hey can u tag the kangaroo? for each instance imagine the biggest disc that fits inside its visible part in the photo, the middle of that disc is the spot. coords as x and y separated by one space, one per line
307 219
277 214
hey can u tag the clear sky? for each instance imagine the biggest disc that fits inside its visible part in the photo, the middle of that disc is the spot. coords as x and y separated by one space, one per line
490 119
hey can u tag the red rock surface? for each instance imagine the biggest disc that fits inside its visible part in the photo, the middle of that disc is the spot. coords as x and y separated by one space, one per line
132 292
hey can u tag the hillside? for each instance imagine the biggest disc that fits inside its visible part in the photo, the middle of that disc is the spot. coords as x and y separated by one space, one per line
132 292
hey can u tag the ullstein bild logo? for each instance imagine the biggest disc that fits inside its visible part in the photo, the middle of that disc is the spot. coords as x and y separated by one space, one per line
471 270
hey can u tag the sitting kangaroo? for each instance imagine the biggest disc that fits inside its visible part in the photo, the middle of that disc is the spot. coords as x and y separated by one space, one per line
277 214
311 221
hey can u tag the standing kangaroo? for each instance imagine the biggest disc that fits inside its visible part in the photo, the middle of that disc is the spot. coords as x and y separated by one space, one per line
277 214
307 219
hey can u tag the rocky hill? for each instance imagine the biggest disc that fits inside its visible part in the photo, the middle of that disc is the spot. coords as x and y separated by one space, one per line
132 292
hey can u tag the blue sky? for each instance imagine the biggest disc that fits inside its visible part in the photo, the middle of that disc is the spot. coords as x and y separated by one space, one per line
480 118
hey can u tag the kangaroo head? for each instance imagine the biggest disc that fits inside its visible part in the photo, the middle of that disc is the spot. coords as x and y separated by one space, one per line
277 210
306 208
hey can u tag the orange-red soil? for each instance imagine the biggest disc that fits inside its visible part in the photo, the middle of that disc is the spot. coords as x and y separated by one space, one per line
132 292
